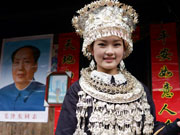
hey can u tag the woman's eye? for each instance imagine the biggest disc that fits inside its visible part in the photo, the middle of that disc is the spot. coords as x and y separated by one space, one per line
101 44
118 44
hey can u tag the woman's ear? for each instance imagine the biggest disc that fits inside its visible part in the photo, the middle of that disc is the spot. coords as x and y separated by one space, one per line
90 48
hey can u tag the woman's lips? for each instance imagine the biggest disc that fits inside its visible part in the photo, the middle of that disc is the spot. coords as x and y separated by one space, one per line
109 59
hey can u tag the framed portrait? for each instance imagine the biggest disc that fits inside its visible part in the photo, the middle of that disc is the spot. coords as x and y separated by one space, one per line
56 87
24 65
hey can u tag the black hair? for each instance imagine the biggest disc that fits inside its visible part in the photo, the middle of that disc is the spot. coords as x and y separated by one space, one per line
35 50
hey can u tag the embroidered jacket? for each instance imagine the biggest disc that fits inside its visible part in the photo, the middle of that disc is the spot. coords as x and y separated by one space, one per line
68 120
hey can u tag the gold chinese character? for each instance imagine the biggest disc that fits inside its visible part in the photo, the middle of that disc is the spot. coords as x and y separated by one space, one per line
166 91
162 36
164 108
164 72
68 59
68 45
164 54
168 122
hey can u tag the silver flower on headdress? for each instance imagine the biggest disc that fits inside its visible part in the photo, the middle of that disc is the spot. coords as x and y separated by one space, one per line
105 18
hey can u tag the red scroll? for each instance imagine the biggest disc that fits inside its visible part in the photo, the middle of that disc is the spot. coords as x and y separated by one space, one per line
68 59
68 55
165 71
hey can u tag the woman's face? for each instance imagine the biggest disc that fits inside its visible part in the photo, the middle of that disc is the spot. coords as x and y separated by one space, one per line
108 52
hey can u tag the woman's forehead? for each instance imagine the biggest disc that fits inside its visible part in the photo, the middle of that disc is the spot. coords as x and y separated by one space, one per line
110 38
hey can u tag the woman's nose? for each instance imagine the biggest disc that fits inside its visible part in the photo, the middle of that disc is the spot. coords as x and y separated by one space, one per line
109 50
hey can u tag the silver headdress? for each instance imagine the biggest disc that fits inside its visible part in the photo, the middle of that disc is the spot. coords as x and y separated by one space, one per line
105 18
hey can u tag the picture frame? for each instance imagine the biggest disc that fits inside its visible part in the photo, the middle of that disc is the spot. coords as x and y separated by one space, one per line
31 104
57 84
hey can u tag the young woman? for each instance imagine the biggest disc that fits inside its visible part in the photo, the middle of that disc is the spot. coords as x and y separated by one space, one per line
107 99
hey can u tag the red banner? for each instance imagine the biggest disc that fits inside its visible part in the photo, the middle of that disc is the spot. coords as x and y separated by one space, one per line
68 54
68 60
165 71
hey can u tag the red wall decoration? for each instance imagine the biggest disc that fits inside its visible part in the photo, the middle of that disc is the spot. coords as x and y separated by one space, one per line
165 71
68 60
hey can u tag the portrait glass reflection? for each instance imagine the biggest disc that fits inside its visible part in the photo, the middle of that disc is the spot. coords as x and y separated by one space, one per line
56 88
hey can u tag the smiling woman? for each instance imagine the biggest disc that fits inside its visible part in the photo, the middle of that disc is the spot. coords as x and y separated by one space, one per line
108 52
108 100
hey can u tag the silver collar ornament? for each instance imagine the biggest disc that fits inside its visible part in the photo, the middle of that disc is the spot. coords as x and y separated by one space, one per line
115 116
